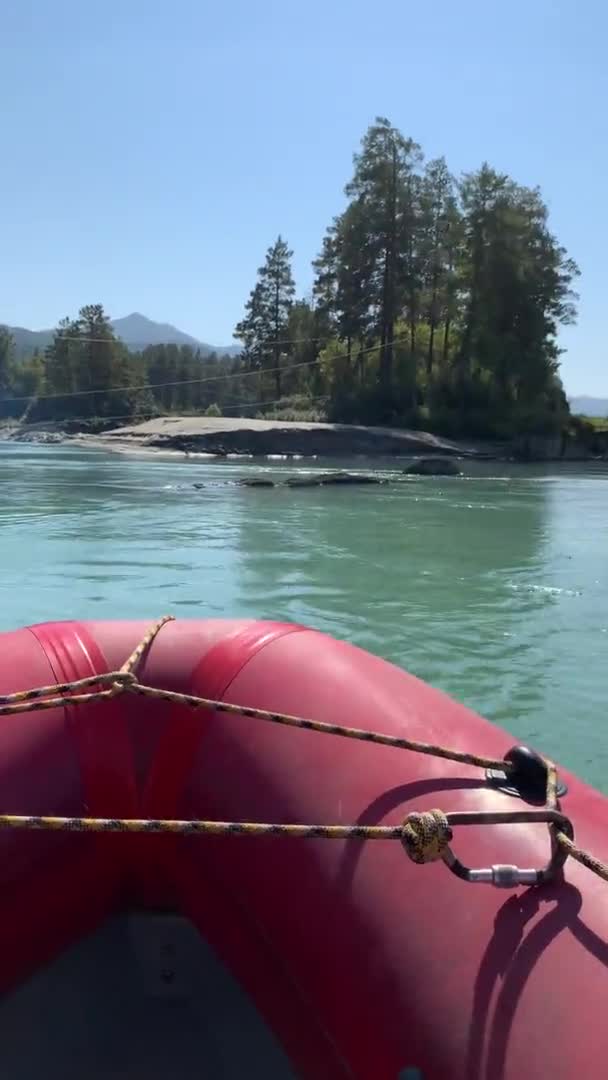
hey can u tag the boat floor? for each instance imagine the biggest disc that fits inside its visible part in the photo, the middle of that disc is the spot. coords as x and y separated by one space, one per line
144 997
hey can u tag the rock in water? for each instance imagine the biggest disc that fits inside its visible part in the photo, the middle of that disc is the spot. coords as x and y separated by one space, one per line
350 478
43 437
433 466
256 481
331 478
303 481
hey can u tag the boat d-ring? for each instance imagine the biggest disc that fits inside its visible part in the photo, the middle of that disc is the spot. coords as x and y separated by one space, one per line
525 776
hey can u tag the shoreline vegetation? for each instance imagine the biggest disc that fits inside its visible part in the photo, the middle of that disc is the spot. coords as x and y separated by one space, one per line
434 313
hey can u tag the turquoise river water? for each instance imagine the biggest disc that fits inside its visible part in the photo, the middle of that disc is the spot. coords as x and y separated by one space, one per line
493 587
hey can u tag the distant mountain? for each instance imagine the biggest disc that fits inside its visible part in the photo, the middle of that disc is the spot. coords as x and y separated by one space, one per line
26 341
589 406
137 331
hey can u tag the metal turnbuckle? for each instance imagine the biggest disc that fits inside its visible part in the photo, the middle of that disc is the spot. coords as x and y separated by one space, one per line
505 876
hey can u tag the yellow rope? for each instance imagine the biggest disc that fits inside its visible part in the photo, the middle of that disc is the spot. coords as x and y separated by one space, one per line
585 858
425 836
130 664
125 681
205 828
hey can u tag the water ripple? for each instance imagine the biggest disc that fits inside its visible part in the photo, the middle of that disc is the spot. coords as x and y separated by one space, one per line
492 587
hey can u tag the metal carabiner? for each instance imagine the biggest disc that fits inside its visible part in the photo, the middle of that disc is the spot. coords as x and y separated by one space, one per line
506 876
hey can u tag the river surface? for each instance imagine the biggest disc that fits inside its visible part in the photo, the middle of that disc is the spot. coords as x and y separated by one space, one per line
493 587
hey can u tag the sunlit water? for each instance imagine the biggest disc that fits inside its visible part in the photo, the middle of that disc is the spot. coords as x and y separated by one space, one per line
493 587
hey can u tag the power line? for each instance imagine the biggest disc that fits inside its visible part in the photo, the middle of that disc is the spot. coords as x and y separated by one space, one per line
198 416
166 344
160 385
192 382
269 343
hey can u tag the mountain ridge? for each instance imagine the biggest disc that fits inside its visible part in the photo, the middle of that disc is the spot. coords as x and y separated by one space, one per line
585 405
137 331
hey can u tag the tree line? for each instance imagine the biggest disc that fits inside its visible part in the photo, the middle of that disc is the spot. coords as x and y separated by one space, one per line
436 302
87 374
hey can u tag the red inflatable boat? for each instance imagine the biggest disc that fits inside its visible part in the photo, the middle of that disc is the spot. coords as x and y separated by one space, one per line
182 956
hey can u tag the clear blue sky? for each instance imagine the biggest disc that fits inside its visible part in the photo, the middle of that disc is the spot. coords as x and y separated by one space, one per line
152 150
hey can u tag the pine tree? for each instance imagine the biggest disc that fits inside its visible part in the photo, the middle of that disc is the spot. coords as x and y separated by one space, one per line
7 407
264 329
439 221
384 191
484 196
307 330
517 281
62 362
97 352
82 366
344 270
6 356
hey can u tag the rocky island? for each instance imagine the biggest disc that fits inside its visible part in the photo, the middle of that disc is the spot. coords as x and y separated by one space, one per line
232 435
226 436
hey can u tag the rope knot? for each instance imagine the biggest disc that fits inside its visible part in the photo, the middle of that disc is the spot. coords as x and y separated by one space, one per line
425 836
120 678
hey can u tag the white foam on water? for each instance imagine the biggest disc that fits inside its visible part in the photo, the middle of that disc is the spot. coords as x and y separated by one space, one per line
548 590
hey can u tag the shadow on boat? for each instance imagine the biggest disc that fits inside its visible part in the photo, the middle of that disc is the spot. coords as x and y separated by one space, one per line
511 954
393 799
510 958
